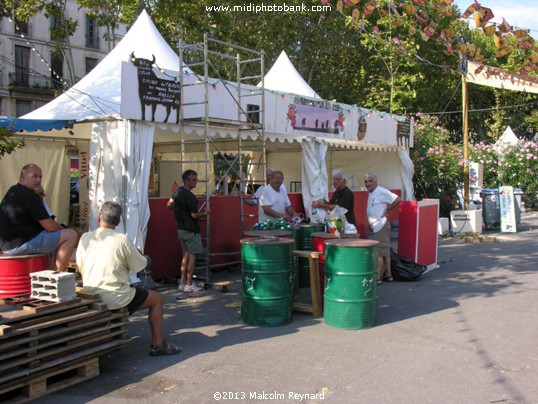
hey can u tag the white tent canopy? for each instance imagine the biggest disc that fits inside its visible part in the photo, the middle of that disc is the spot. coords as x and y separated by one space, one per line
285 78
507 138
97 96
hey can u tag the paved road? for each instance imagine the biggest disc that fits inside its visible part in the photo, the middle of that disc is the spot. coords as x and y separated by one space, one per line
465 333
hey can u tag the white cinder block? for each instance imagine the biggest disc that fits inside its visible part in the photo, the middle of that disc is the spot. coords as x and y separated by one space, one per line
53 286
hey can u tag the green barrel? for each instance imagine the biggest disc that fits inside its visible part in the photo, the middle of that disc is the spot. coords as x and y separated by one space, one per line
303 242
267 280
350 283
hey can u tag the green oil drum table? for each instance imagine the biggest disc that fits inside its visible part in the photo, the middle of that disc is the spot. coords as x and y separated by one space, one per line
267 280
350 296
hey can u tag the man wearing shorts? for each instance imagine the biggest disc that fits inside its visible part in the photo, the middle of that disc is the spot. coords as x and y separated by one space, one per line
25 225
380 203
104 258
185 206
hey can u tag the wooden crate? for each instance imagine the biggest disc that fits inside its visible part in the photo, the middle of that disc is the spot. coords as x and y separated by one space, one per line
43 383
36 337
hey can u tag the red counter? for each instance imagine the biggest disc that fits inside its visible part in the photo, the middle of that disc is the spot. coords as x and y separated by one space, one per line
162 244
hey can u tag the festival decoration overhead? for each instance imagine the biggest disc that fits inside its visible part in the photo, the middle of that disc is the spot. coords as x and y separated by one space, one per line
507 39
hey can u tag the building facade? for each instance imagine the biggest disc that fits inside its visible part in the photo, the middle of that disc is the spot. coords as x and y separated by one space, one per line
31 74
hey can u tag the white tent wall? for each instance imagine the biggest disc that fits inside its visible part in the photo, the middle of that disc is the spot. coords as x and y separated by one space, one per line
51 157
120 161
170 170
388 166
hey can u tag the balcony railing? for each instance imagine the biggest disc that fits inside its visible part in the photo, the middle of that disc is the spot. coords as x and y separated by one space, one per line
30 81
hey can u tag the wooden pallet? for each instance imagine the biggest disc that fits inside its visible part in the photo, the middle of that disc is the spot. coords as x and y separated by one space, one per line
36 336
52 380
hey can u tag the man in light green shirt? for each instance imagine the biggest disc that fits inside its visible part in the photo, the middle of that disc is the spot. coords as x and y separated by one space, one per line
105 257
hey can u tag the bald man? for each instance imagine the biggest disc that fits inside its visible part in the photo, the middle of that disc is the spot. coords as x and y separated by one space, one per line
25 225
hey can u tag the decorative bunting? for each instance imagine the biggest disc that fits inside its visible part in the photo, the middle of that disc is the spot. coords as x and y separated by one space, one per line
427 27
504 27
482 15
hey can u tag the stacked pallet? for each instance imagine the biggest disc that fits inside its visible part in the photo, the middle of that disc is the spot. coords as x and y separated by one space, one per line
46 346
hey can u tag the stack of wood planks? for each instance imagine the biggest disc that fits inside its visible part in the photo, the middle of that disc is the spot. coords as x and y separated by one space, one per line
47 346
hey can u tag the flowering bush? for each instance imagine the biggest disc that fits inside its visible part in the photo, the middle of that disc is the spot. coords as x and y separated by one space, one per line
514 165
439 165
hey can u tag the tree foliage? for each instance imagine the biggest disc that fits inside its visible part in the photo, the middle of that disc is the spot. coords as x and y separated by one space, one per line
8 145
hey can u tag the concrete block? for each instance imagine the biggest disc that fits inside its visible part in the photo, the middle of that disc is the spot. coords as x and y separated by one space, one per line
53 286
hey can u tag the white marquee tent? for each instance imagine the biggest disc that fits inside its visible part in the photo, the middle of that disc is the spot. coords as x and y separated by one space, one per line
284 77
116 146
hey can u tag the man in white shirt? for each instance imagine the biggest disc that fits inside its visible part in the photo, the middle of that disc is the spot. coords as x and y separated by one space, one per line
380 203
274 201
258 194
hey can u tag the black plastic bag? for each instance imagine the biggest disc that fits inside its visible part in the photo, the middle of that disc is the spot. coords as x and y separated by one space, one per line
403 269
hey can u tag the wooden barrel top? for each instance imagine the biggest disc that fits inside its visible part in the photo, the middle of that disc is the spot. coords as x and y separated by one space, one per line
357 243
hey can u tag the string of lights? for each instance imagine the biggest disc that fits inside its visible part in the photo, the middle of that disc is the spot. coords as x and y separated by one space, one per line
22 35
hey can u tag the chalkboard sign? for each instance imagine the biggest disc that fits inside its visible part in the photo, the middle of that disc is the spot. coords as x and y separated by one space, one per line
403 132
154 91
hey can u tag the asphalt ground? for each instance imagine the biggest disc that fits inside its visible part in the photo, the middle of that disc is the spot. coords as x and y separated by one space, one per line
464 333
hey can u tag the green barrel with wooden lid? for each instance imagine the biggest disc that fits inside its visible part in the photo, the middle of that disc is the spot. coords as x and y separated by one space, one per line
350 296
267 280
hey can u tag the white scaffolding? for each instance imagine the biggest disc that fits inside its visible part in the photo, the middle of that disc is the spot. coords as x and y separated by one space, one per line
205 56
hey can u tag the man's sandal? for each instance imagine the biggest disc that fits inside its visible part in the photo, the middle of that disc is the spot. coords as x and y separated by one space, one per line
164 349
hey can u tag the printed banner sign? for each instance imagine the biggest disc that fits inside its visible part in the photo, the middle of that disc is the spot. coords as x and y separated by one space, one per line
508 209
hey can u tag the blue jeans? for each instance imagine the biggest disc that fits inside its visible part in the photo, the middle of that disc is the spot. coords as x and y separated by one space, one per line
45 242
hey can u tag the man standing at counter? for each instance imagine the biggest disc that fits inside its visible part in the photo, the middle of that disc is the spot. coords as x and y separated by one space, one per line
274 201
185 206
380 203
342 196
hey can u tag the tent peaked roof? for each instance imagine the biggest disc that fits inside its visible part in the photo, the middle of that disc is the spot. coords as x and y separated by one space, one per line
508 137
285 78
97 95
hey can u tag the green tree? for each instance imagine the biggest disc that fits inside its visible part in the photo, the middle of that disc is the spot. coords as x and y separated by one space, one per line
8 145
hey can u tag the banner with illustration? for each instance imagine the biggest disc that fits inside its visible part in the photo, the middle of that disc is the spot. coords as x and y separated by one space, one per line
508 209
334 120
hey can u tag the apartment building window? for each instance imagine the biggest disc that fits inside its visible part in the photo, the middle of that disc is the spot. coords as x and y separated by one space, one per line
53 26
21 27
57 68
22 66
90 64
23 107
92 32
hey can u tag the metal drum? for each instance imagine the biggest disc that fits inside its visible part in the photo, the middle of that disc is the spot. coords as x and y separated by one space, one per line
350 283
303 241
15 273
267 280
318 244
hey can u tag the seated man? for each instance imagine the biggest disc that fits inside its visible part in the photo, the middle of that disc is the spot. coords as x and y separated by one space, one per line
25 225
104 258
